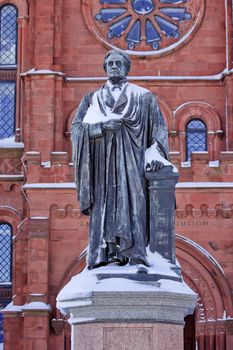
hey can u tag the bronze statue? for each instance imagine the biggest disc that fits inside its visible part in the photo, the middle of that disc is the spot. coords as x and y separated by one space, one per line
111 131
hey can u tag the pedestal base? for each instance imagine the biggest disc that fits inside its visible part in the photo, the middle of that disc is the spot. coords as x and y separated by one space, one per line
127 336
120 308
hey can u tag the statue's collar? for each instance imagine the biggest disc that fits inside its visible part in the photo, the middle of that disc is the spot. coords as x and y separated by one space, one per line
119 85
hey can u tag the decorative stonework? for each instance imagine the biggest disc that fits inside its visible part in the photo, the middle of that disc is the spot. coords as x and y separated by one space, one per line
151 27
67 211
8 186
10 161
57 326
205 211
229 326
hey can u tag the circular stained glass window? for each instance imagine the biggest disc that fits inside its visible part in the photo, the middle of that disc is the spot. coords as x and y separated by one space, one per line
143 26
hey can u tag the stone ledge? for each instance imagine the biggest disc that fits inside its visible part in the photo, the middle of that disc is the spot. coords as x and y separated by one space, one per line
134 307
90 300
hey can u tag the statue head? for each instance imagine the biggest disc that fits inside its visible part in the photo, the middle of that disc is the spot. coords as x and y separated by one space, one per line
116 65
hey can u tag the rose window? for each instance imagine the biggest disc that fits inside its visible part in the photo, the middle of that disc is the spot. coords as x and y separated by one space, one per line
151 26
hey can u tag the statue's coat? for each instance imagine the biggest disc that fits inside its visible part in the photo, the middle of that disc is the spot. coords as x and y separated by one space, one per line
109 170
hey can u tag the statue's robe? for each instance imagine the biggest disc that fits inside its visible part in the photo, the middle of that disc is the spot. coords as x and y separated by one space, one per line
109 168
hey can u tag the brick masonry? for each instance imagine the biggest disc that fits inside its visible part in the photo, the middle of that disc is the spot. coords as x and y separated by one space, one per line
50 232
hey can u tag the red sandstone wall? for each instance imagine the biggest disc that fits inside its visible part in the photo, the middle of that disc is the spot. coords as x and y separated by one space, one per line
55 37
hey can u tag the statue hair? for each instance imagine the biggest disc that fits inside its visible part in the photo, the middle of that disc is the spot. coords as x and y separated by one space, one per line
126 58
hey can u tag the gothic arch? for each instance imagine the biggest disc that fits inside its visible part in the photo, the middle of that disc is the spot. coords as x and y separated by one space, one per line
208 115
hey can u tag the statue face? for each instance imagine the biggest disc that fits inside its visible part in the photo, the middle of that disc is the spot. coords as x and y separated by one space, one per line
115 67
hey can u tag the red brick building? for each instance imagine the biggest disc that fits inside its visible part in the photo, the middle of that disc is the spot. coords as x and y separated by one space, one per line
51 55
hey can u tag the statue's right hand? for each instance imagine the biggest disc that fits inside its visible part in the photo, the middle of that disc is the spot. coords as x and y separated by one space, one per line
112 125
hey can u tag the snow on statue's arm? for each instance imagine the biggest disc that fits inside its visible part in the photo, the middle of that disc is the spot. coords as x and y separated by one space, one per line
154 160
94 128
157 154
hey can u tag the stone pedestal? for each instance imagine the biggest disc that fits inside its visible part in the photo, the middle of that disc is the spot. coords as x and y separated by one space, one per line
122 313
161 186
127 336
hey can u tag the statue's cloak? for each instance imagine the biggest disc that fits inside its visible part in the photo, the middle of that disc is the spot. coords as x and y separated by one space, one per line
109 168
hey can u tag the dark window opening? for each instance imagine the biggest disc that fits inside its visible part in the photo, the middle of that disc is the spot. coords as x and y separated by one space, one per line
5 254
8 65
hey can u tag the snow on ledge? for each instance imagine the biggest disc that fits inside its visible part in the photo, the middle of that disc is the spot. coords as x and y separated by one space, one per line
50 185
214 163
214 77
186 164
11 177
10 143
12 308
79 290
71 185
36 305
33 71
38 218
204 185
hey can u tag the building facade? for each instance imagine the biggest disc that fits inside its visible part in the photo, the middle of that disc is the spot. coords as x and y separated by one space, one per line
51 55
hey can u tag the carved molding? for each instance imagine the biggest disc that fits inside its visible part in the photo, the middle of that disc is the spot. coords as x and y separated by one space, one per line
195 280
57 326
204 211
67 211
229 326
8 186
10 166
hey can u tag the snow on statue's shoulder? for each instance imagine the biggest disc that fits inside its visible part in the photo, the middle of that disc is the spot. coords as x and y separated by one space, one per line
136 89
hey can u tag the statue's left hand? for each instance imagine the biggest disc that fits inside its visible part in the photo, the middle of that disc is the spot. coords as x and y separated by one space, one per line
155 165
112 125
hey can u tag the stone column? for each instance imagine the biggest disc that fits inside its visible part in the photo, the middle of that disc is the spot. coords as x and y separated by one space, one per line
162 211
36 312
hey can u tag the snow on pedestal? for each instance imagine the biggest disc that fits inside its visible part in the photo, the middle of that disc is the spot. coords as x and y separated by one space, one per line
128 307
127 293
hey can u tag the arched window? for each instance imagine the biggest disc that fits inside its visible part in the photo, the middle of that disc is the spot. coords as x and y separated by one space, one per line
8 65
5 253
196 137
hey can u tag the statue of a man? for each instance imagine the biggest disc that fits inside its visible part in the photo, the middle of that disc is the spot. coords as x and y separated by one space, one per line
111 131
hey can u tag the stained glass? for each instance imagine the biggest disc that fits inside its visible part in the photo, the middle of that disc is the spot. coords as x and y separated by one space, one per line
143 22
179 14
8 35
134 34
170 29
152 35
117 28
106 15
143 7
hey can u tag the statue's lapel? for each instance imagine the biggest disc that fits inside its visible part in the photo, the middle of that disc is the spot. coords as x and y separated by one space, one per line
121 102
